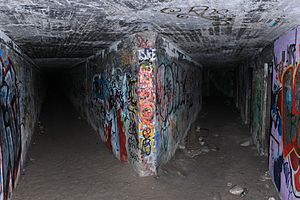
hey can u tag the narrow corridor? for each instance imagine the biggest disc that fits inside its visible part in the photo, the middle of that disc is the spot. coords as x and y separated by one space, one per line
67 162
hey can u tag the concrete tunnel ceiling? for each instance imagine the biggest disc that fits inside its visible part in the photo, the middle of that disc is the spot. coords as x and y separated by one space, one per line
210 31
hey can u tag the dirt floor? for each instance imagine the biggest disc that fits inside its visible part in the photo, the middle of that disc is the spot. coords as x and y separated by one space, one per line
67 161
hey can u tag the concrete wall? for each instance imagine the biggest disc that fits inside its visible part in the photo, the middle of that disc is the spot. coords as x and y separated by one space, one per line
141 96
284 140
179 97
19 108
253 95
261 99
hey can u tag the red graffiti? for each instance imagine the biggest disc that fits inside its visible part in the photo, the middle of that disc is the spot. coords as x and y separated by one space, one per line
142 43
108 130
122 136
290 109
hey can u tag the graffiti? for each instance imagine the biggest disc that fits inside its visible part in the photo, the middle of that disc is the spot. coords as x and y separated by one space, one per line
287 175
124 95
147 54
290 122
132 128
219 17
146 103
142 43
285 115
10 126
109 98
126 57
257 105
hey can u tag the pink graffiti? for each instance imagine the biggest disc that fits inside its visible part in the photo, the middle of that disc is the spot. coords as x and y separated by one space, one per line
146 107
142 43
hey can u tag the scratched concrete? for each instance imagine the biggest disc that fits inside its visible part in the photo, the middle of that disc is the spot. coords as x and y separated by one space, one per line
212 32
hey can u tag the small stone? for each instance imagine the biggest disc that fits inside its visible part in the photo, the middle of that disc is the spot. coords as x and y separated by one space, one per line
236 190
244 192
198 129
229 184
271 198
205 150
202 143
195 153
245 144
181 146
265 177
200 139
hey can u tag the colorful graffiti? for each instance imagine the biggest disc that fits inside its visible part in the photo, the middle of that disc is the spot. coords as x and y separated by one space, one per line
290 122
146 106
176 86
285 113
108 98
142 42
10 126
132 140
138 106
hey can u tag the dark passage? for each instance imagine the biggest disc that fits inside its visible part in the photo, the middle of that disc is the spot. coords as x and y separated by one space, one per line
66 160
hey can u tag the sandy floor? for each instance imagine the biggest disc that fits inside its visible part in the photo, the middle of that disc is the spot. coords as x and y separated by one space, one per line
67 162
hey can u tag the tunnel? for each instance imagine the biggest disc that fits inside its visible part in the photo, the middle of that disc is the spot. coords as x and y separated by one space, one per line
149 99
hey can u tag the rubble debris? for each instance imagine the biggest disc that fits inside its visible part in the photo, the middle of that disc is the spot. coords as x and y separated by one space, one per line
41 127
266 176
194 153
205 149
238 190
245 144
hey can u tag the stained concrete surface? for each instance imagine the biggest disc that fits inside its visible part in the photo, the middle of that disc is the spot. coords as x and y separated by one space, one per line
68 162
212 32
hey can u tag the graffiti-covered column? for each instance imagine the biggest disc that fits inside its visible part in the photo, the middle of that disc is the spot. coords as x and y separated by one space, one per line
141 96
146 110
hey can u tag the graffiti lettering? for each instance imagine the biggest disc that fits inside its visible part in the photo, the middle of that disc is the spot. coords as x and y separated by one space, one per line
219 17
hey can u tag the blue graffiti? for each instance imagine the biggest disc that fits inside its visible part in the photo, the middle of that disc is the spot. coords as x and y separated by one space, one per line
288 179
277 171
